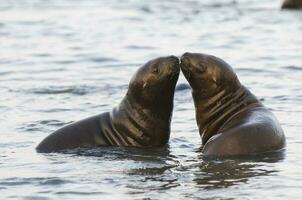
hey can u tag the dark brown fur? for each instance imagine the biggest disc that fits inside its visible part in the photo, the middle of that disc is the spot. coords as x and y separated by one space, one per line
231 120
141 119
292 4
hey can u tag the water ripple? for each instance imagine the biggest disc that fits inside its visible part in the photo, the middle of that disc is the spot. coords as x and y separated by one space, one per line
16 181
79 193
182 86
42 125
135 47
65 58
293 68
75 90
128 153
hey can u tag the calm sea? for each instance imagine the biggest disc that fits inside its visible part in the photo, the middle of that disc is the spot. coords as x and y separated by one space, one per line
64 60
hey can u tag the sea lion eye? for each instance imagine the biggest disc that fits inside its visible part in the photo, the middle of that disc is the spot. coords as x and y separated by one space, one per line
201 67
155 70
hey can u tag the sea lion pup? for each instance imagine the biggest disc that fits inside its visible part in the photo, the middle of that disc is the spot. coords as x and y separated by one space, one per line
231 120
142 119
292 4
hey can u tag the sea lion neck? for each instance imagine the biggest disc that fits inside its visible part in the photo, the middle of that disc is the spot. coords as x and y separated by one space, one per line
205 96
215 111
158 106
139 124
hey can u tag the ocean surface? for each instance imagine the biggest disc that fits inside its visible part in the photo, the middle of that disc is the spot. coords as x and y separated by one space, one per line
64 60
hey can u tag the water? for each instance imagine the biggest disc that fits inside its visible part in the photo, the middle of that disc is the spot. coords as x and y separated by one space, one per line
64 60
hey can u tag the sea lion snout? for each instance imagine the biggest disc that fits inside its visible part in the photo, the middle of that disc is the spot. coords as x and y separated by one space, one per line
189 61
173 65
175 62
186 65
192 60
185 58
173 58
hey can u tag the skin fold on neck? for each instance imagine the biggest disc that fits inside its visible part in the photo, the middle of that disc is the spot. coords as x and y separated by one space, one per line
212 113
132 124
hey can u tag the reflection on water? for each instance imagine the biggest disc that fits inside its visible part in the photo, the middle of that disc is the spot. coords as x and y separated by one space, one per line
157 169
214 174
64 60
147 154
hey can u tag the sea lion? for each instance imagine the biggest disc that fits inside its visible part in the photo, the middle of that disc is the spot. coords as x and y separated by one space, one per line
142 119
231 120
292 4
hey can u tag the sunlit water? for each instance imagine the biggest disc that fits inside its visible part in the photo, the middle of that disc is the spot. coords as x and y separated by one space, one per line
64 60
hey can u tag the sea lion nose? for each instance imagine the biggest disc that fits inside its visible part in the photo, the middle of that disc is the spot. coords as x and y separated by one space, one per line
186 54
185 58
173 58
174 63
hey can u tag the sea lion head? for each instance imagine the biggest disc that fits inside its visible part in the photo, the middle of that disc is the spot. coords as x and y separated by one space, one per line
208 74
153 85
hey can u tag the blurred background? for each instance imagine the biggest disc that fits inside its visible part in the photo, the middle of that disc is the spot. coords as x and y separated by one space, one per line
64 60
